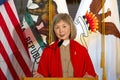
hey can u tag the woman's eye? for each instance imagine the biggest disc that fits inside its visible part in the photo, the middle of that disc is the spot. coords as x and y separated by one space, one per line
56 27
64 26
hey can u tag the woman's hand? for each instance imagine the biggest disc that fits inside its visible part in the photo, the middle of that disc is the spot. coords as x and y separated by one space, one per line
37 75
88 76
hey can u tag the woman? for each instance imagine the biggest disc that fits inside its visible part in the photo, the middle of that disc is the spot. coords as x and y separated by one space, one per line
65 57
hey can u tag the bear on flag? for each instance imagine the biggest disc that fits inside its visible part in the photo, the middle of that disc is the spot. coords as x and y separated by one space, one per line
36 24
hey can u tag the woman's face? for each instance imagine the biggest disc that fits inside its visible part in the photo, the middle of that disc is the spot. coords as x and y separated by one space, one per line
62 30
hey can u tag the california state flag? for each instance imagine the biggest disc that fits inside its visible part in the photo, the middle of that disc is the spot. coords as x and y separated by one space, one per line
36 24
100 34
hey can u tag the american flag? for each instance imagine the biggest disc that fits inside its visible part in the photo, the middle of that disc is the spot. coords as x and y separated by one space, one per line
15 62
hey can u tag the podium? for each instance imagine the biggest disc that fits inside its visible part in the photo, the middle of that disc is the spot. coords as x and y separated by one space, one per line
30 78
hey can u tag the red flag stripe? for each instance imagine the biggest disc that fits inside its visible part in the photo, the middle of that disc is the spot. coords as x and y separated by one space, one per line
7 60
12 58
14 48
14 22
2 76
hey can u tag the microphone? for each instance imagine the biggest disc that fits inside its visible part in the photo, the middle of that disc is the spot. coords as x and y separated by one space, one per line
33 67
60 43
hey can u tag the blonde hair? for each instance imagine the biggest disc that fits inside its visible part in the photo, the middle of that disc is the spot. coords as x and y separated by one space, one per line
68 19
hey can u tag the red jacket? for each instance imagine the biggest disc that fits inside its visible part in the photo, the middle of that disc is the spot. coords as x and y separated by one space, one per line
50 62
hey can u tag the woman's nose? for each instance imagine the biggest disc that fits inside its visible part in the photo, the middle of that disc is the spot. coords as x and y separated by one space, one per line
61 30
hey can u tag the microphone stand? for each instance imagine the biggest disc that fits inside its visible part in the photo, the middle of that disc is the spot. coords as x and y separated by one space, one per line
60 43
33 67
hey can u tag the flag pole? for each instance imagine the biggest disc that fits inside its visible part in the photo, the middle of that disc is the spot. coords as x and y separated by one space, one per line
50 20
103 43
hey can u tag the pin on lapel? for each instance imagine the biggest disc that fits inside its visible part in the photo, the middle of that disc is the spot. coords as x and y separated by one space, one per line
75 52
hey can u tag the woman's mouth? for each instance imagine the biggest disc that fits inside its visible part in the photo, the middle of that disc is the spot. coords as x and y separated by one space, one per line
62 35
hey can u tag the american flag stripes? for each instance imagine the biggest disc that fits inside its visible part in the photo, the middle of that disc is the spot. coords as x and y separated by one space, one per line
14 58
